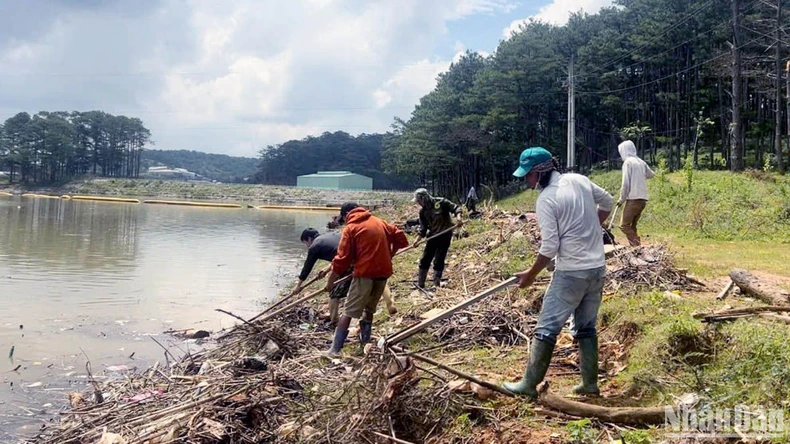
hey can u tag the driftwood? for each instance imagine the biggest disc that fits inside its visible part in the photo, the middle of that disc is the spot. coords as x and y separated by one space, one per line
725 291
751 285
617 415
740 313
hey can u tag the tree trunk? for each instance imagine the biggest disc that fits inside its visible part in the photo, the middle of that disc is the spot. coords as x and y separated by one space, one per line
736 153
763 291
778 130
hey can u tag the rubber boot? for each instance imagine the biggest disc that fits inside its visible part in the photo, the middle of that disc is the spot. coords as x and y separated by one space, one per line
337 342
437 278
365 331
334 310
539 359
588 357
421 278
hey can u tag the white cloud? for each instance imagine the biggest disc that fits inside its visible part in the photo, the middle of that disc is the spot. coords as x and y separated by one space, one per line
231 76
470 7
558 11
406 86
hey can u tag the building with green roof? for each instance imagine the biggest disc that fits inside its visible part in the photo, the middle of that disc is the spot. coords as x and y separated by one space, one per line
335 180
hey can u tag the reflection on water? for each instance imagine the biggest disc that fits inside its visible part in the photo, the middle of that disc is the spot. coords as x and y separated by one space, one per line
67 234
102 277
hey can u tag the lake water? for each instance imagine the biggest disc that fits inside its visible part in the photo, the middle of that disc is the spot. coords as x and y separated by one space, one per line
106 278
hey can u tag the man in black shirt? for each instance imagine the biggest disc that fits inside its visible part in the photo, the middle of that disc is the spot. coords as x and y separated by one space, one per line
323 247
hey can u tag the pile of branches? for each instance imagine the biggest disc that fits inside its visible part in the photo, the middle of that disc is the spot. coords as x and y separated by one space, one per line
505 320
261 384
632 270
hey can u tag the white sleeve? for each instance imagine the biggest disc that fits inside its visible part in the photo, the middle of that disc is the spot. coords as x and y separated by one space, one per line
549 229
604 200
626 186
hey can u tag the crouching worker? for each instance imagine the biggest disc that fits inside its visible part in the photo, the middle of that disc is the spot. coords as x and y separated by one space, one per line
323 247
368 243
436 215
570 210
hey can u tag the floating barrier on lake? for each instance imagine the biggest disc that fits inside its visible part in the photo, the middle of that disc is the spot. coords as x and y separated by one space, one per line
293 207
6 194
65 197
192 204
40 196
106 199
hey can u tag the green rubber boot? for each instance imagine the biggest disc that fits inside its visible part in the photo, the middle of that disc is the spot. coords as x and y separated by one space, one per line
539 359
588 357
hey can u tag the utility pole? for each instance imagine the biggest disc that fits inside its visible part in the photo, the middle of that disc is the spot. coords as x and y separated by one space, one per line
736 153
778 130
571 118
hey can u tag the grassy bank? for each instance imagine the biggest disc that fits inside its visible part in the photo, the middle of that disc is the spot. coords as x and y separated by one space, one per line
725 220
214 191
653 350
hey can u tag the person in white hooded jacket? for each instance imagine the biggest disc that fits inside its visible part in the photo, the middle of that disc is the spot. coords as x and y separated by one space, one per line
633 192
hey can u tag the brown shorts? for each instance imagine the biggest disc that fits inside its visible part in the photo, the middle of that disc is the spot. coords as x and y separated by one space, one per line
364 294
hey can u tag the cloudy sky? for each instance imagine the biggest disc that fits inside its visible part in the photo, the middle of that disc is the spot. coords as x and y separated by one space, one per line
232 76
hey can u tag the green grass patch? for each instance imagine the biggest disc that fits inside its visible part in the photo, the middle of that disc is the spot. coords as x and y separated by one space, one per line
720 206
742 362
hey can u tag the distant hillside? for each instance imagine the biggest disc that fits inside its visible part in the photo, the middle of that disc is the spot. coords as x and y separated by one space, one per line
218 167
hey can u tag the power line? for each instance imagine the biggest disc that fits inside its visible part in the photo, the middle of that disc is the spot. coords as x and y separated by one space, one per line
608 92
662 34
696 37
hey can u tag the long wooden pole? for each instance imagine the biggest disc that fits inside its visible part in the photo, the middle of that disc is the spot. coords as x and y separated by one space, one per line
453 370
414 329
268 314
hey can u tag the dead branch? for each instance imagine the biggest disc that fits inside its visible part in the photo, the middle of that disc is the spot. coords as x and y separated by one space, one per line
739 313
617 415
726 290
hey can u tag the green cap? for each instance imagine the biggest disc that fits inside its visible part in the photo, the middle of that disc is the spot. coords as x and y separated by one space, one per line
529 158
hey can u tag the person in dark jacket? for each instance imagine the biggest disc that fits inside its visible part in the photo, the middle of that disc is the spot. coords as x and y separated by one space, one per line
322 247
436 215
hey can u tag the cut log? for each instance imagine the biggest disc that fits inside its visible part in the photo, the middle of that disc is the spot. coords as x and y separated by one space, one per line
617 415
739 313
765 292
725 291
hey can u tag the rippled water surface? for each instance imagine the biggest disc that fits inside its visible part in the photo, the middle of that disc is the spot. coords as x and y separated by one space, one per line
104 278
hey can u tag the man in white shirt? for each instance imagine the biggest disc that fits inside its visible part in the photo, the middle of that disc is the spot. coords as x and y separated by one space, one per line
571 210
633 191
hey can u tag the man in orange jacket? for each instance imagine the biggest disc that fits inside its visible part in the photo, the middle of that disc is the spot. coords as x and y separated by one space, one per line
369 244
